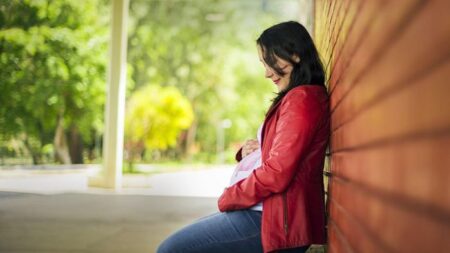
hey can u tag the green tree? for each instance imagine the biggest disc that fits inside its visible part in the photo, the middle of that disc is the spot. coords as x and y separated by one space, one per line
52 67
53 56
154 118
196 46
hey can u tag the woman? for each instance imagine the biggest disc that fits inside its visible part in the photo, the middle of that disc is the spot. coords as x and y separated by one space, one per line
279 206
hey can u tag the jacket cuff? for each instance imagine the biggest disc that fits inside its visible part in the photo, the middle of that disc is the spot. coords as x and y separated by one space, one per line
220 204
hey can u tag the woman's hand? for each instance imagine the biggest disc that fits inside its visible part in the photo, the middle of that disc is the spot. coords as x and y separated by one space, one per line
249 146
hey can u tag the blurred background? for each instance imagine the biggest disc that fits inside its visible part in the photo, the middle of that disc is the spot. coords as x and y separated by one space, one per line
195 88
194 91
105 153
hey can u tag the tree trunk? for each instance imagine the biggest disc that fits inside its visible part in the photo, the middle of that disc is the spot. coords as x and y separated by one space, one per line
36 156
60 143
190 139
75 145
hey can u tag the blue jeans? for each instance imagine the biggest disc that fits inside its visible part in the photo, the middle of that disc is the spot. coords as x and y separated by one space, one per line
235 232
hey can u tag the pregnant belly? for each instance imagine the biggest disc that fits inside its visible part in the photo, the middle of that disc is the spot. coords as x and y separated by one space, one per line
245 167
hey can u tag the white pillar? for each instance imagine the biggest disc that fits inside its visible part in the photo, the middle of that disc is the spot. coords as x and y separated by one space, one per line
306 15
111 174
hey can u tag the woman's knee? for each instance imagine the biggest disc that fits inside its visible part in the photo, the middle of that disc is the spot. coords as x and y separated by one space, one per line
181 240
168 246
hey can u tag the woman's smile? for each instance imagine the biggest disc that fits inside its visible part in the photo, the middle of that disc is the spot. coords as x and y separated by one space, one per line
281 82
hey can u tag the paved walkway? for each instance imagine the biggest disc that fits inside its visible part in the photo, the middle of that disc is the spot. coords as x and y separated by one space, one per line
93 223
197 183
53 212
201 183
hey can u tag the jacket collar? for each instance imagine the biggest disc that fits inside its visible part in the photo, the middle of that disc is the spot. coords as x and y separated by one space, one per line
273 109
269 114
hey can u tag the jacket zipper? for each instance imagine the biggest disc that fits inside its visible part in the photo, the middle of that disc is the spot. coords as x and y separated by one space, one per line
286 227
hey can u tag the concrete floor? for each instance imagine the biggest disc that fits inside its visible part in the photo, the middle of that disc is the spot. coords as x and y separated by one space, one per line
56 212
96 223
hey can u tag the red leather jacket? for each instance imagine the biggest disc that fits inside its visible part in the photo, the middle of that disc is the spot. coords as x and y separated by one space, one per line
290 179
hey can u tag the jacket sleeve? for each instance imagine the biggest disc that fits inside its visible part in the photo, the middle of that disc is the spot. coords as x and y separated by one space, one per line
296 126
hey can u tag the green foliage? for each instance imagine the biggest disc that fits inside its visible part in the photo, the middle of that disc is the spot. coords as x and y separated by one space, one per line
51 67
207 50
200 53
156 115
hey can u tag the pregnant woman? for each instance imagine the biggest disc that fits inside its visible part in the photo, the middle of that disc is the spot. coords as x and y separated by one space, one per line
275 200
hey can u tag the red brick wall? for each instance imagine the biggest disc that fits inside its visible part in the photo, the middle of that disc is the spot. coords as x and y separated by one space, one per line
388 173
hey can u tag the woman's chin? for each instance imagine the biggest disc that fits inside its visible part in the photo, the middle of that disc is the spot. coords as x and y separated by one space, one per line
280 88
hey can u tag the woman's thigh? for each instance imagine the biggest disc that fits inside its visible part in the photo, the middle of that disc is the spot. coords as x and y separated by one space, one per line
236 231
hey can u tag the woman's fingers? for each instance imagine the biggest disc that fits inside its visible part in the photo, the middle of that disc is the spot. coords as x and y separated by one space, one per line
253 147
249 147
251 142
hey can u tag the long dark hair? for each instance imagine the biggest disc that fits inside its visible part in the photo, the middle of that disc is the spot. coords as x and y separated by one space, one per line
287 40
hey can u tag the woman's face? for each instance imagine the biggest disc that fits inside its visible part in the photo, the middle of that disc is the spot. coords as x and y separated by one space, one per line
280 81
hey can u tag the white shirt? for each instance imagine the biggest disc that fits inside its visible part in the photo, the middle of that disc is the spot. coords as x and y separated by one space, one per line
245 167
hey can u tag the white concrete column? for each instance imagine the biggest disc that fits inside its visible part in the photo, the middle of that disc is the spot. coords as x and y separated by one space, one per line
111 174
